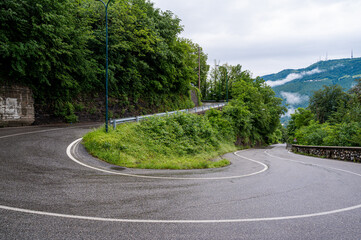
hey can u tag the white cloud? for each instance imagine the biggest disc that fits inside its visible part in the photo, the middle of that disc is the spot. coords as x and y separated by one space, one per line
290 110
268 36
291 77
294 98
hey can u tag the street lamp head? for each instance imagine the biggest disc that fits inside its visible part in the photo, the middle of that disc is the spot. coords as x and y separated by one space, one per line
105 4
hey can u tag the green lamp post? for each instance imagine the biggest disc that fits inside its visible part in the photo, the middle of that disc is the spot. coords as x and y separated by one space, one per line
106 63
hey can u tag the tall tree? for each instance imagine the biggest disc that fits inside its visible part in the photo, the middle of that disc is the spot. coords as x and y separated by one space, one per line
57 48
326 101
256 102
43 45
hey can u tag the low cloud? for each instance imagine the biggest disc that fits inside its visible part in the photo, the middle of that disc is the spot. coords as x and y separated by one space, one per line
290 110
294 98
293 76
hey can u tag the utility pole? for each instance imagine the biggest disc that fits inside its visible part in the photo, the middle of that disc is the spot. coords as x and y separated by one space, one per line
227 84
215 78
199 68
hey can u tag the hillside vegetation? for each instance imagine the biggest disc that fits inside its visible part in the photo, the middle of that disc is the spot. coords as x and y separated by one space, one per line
296 86
333 118
181 141
57 48
186 141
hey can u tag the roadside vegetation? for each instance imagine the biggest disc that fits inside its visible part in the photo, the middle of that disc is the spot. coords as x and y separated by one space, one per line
333 118
180 141
57 48
188 141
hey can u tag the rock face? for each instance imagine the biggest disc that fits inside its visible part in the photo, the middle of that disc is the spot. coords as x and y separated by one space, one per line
16 106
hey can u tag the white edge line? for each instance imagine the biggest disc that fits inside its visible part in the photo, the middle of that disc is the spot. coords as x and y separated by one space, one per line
76 142
41 131
46 130
312 164
43 213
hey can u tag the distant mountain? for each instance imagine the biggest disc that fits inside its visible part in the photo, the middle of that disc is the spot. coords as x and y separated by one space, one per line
295 86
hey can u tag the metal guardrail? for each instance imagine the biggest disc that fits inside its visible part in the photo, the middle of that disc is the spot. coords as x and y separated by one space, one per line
115 122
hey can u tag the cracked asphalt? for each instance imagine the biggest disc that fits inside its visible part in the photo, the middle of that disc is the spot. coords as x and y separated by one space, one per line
46 195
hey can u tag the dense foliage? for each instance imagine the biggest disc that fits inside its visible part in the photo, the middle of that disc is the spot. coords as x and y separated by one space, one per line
326 101
253 110
184 141
332 119
43 45
58 49
180 141
219 85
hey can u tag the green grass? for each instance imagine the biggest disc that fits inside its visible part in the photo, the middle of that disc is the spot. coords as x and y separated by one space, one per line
181 141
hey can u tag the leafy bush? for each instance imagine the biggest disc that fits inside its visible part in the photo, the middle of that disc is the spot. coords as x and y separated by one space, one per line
344 134
343 115
180 141
312 134
67 111
222 124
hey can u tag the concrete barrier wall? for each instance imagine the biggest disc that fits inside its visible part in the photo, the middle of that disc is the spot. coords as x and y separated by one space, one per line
352 154
16 106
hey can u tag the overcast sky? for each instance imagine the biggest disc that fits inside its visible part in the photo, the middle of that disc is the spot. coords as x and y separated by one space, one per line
267 36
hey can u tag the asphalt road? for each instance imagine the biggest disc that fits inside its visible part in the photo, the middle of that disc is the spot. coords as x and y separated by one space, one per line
52 189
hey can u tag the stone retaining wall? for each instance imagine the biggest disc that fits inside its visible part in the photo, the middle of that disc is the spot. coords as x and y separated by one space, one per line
16 106
352 154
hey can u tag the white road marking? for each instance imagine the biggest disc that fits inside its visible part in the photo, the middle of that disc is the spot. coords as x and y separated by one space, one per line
74 144
43 213
41 131
46 130
78 217
312 164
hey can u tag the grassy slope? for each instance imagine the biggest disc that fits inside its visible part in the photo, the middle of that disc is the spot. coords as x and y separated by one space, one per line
184 141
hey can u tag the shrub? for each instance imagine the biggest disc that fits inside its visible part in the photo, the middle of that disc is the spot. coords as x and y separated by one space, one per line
180 141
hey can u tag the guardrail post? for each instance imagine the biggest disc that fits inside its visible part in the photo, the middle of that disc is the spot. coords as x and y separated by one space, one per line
114 124
137 117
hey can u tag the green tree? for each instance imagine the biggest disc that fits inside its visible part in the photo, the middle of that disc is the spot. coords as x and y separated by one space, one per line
301 118
196 56
258 107
240 118
43 45
313 134
215 87
356 90
326 101
343 114
57 48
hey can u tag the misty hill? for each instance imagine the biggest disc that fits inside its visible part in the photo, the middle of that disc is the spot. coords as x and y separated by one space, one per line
295 86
